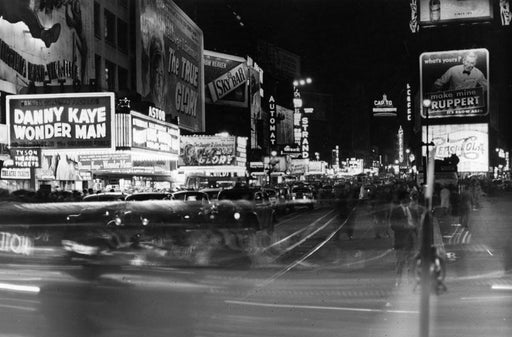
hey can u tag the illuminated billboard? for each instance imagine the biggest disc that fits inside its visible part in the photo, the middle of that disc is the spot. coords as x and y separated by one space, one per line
170 62
207 150
44 43
154 135
435 12
470 142
225 78
454 83
61 121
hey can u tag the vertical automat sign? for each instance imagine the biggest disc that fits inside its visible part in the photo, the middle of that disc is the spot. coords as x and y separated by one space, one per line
61 121
170 55
272 121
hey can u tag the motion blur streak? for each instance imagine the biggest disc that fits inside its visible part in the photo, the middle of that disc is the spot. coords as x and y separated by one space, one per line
315 307
14 287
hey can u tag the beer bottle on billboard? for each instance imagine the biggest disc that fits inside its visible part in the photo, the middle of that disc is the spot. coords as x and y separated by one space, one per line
435 10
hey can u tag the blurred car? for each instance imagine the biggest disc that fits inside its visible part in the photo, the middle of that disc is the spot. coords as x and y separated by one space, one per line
245 208
302 196
190 196
213 193
140 196
272 195
108 196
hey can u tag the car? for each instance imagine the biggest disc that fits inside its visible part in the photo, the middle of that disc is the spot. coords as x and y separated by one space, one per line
302 196
272 195
245 208
190 196
140 196
213 193
108 196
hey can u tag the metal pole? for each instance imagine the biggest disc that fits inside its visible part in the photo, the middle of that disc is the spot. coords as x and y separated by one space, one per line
426 248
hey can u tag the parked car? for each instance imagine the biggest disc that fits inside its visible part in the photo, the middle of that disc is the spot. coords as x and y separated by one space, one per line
140 196
244 208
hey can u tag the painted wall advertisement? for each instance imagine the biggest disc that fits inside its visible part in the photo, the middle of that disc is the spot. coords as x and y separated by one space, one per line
61 121
470 142
456 83
170 56
207 150
43 41
225 78
152 134
434 12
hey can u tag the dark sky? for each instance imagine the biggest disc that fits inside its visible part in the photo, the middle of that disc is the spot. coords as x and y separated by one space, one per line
339 41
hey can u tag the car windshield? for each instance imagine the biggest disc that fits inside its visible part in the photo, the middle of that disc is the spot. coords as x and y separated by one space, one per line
236 195
255 168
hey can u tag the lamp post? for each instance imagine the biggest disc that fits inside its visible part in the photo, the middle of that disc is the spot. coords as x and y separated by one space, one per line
427 232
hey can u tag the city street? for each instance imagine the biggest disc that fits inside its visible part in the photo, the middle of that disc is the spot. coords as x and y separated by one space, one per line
311 285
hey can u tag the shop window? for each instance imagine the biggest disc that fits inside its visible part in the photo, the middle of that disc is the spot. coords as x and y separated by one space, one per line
97 20
110 27
97 68
122 36
110 75
122 78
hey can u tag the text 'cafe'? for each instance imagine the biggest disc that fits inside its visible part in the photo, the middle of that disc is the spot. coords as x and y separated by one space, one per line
78 141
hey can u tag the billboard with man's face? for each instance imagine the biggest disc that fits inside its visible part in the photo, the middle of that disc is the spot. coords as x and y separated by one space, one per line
454 83
170 58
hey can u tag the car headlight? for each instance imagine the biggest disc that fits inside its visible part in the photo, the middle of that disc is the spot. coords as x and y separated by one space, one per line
236 216
118 221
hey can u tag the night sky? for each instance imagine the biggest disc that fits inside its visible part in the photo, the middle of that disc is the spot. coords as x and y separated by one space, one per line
355 50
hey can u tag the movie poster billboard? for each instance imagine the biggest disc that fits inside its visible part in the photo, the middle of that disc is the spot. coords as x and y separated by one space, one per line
61 121
207 150
154 135
436 12
170 62
44 42
454 83
226 78
470 142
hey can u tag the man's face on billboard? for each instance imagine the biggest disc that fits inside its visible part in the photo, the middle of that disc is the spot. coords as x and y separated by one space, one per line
469 62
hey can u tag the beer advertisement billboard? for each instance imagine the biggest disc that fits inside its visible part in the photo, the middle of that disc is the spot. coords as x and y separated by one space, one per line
470 142
225 79
61 121
170 62
44 43
207 150
454 83
435 12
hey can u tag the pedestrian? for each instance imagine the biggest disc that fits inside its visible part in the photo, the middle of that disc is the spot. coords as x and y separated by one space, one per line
405 236
464 206
445 199
346 205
